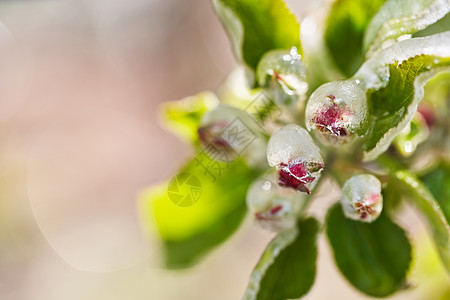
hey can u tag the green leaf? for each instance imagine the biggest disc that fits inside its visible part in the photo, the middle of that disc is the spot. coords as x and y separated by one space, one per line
438 27
198 209
346 24
374 257
183 116
399 17
431 210
258 26
287 268
392 107
437 93
438 182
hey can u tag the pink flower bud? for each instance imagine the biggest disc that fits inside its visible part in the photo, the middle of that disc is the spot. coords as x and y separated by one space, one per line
361 198
228 132
293 152
337 110
285 74
274 208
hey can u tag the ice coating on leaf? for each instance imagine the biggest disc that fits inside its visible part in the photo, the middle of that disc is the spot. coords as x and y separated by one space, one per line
376 74
384 143
361 198
399 17
431 210
273 207
337 110
284 72
280 242
256 27
296 156
227 132
375 71
233 26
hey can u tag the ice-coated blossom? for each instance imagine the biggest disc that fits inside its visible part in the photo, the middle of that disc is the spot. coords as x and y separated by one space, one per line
361 198
228 132
298 161
273 207
284 72
337 110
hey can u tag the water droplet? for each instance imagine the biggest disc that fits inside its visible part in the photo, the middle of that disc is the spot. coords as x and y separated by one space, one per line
266 185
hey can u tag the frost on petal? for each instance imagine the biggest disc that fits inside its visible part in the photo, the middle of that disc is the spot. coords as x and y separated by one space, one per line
361 198
273 207
293 152
337 111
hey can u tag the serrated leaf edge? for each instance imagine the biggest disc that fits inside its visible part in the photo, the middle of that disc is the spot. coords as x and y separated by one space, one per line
384 143
396 27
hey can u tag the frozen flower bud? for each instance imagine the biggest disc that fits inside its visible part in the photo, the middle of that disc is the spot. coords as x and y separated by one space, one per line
427 113
337 111
293 152
228 132
284 73
273 207
361 198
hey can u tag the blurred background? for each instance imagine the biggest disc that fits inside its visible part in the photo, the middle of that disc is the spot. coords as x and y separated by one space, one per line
80 85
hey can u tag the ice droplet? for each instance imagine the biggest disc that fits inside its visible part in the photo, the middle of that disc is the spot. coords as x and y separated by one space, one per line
361 198
408 147
267 185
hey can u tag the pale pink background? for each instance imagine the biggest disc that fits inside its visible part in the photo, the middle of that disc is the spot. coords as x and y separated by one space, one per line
80 84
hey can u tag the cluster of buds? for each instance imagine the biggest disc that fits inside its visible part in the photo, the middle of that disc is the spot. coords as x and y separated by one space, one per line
338 111
361 198
273 207
298 161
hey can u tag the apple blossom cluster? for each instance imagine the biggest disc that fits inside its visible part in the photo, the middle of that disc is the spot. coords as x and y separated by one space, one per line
337 113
